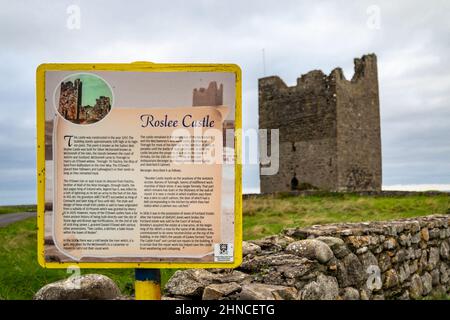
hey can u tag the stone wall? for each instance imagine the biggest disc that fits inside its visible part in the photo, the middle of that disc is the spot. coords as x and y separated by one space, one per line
329 129
402 259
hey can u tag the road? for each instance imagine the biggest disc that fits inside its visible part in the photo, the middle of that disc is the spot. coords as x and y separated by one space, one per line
8 218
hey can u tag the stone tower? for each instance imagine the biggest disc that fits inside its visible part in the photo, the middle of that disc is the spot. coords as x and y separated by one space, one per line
329 129
70 99
211 96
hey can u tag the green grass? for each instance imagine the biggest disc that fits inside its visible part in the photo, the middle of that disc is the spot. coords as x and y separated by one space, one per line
268 215
22 208
21 276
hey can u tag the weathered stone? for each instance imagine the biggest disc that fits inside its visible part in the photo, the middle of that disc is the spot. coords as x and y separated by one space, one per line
424 234
404 272
384 262
190 282
390 244
340 251
444 273
357 242
350 271
349 293
311 249
84 287
362 250
433 258
427 282
217 291
434 233
415 238
368 259
332 242
400 256
445 250
259 291
413 266
390 279
405 240
435 275
404 296
323 288
416 287
250 248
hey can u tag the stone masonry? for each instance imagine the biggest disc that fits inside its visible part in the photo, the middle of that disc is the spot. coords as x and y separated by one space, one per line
401 259
329 129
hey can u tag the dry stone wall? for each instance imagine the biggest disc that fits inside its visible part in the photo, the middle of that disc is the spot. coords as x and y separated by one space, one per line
402 259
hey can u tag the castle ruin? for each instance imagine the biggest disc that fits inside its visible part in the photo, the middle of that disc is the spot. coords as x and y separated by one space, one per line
70 104
329 129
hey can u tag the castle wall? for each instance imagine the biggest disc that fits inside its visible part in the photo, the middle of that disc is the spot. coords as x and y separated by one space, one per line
329 129
358 130
305 114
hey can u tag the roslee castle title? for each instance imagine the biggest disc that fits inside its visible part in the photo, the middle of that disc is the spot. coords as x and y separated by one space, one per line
149 121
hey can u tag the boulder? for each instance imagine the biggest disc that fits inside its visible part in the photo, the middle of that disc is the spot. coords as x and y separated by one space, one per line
84 287
250 248
190 282
217 291
311 249
323 288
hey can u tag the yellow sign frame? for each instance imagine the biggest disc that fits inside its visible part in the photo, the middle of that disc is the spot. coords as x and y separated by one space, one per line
136 67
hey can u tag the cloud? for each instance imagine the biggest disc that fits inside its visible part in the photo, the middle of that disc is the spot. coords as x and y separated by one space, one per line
298 36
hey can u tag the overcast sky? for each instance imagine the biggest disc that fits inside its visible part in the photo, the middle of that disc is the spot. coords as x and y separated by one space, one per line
410 38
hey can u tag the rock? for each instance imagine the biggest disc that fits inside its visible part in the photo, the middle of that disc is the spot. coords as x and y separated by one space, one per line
427 282
405 240
350 271
390 279
424 234
323 288
444 273
217 291
190 282
445 250
311 249
259 291
433 258
250 248
289 263
332 242
435 275
362 250
404 272
404 296
85 287
390 244
368 259
357 242
416 287
340 251
350 293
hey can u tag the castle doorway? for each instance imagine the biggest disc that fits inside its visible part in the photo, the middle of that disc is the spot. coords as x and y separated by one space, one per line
294 183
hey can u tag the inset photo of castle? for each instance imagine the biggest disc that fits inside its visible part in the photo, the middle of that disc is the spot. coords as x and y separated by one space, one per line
83 98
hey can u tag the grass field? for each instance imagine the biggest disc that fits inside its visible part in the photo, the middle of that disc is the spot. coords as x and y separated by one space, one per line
270 214
13 209
21 276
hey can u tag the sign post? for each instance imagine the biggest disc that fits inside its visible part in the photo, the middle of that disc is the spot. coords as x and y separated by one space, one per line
147 284
139 166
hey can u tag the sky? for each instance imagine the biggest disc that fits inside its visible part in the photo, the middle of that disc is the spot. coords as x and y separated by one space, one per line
410 39
93 88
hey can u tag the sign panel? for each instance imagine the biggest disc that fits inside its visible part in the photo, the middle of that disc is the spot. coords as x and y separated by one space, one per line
138 165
